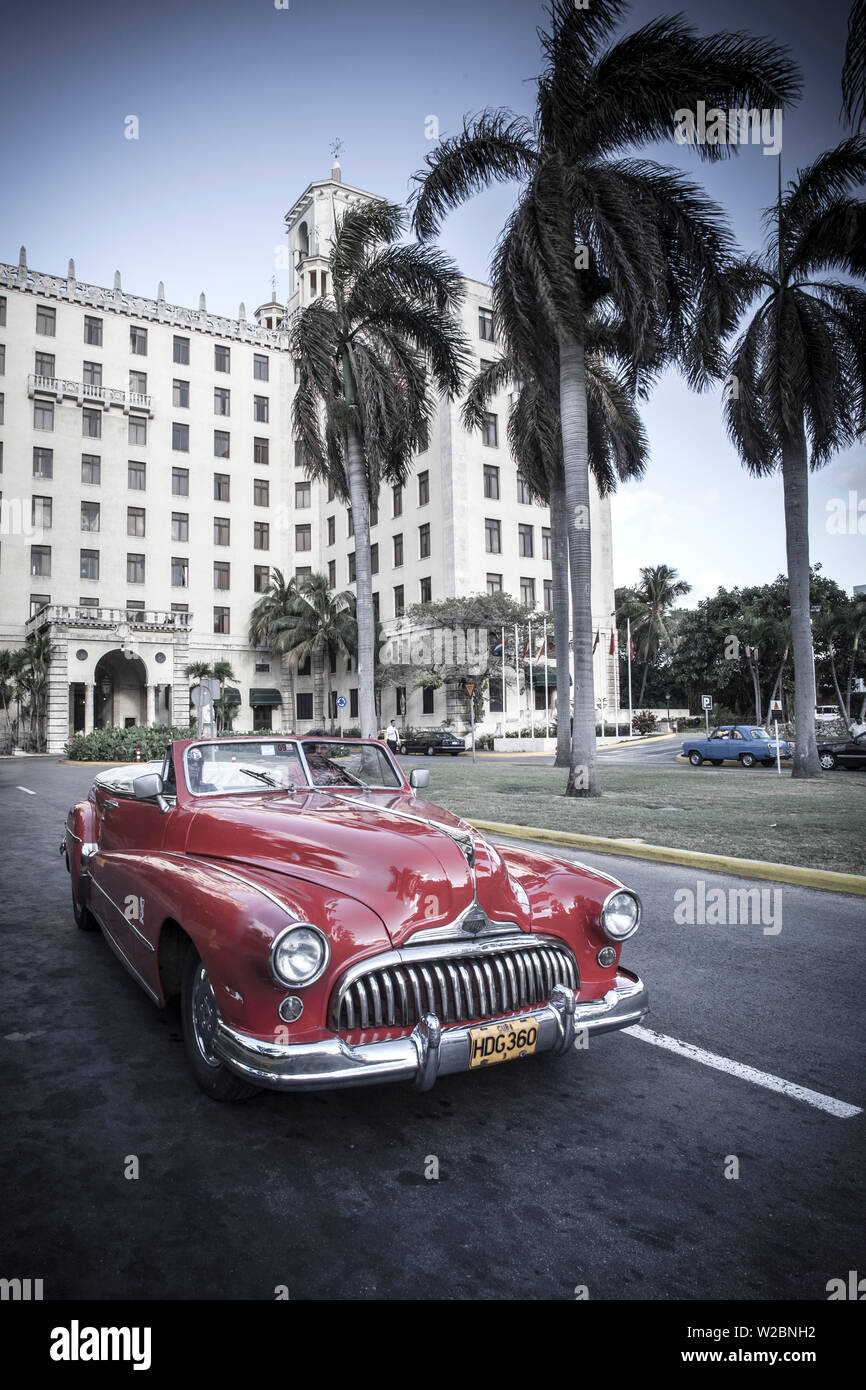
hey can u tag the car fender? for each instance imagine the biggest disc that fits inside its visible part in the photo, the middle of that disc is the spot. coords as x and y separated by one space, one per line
78 844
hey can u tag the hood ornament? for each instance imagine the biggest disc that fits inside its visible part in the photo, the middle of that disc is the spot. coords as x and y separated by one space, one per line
475 920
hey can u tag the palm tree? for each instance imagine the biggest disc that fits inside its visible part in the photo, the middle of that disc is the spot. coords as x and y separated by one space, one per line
655 596
318 626
367 359
276 603
854 71
592 223
618 449
800 370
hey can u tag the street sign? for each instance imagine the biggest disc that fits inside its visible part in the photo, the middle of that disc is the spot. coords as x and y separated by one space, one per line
200 696
469 687
776 707
706 702
341 702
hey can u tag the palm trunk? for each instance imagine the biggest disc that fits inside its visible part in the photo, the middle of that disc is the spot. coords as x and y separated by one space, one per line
643 682
843 707
778 681
795 478
318 687
559 575
583 773
756 687
364 584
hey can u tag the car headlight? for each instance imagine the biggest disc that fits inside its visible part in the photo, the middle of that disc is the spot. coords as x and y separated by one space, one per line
299 955
620 915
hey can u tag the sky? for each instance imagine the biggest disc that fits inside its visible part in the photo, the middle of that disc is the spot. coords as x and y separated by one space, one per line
237 103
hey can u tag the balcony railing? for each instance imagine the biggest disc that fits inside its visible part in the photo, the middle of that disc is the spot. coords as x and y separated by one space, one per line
74 615
83 392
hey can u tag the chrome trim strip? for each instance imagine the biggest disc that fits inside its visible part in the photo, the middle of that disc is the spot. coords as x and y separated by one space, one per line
124 960
131 925
72 835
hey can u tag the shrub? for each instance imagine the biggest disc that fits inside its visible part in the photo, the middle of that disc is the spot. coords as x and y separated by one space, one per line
644 722
120 745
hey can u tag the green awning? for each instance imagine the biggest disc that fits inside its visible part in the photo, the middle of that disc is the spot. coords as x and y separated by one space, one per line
265 697
232 696
538 677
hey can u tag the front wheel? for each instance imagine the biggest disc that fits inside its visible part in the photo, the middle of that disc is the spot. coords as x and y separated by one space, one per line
828 761
402 748
199 1017
84 918
695 758
748 759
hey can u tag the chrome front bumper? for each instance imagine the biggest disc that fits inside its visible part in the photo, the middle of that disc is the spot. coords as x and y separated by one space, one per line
429 1050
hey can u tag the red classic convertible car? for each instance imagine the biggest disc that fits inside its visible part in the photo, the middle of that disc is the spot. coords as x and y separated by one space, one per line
323 926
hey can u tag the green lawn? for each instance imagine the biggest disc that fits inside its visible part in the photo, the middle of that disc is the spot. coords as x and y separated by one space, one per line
750 813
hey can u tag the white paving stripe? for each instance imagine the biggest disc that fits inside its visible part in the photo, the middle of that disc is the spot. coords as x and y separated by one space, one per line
25 789
840 1108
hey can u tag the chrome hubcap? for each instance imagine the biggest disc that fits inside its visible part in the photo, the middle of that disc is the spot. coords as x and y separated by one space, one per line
204 1016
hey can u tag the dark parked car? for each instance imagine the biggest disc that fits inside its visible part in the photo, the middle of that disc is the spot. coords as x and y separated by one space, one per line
432 741
843 752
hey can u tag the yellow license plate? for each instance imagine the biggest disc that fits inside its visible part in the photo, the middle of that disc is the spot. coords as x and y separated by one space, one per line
501 1042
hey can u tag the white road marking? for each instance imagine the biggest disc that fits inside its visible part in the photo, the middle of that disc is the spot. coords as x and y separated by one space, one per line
839 1108
20 1037
25 789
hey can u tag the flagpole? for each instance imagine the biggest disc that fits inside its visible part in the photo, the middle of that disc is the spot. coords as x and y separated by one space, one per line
531 696
504 700
517 677
546 690
615 639
630 716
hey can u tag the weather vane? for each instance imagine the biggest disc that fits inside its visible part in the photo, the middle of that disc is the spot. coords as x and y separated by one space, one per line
336 148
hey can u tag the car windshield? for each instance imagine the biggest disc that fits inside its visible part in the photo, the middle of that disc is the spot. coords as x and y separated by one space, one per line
250 765
349 764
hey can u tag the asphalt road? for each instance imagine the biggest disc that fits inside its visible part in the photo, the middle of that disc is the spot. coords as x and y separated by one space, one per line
605 1168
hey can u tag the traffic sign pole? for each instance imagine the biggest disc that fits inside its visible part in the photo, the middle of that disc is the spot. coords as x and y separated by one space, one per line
341 705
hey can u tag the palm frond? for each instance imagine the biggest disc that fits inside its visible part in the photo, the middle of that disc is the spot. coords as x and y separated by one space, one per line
493 146
854 70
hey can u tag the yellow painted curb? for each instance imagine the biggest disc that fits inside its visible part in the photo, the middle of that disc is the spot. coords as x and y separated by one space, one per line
826 879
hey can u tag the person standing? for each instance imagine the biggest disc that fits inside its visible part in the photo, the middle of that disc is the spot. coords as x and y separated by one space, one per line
392 736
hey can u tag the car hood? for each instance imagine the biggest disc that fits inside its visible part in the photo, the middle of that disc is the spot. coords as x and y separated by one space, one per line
390 851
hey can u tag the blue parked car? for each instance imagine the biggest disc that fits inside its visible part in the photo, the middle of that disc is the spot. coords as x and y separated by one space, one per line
736 743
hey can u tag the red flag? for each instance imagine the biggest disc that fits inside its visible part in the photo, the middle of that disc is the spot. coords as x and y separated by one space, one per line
612 644
597 635
631 650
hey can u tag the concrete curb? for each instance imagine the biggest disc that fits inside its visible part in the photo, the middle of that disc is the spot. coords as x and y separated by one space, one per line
825 879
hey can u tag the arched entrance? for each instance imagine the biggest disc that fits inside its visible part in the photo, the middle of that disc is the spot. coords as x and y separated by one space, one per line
119 691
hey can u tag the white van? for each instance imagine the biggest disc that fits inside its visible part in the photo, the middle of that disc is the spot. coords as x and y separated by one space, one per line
825 713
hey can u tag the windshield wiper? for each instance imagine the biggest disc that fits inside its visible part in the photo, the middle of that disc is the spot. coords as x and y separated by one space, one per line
262 776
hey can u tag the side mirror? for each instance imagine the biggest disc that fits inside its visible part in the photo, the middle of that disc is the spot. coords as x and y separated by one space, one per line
419 777
148 787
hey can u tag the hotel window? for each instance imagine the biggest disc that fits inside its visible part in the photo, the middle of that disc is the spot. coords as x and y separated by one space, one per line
426 588
399 601
353 701
397 493
43 463
375 598
85 602
222 529
545 542
180 482
91 374
92 331
91 424
40 559
221 487
43 415
548 595
261 492
492 536
374 513
261 535
423 488
90 516
138 341
91 469
303 538
428 700
221 620
180 608
89 564
134 569
527 592
331 489
181 351
46 321
38 602
303 495
180 526
494 583
523 493
137 430
331 530
398 551
2 311
297 369
180 393
303 571
260 367
490 431
45 364
485 363
352 568
221 401
221 358
491 481
374 559
485 325
332 574
260 411
261 578
312 284
41 512
299 458
179 572
222 573
180 438
135 522
2 408
525 545
350 523
221 444
261 451
136 476
304 703
137 383
424 541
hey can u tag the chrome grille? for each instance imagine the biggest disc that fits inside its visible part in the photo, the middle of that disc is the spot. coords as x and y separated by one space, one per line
398 989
